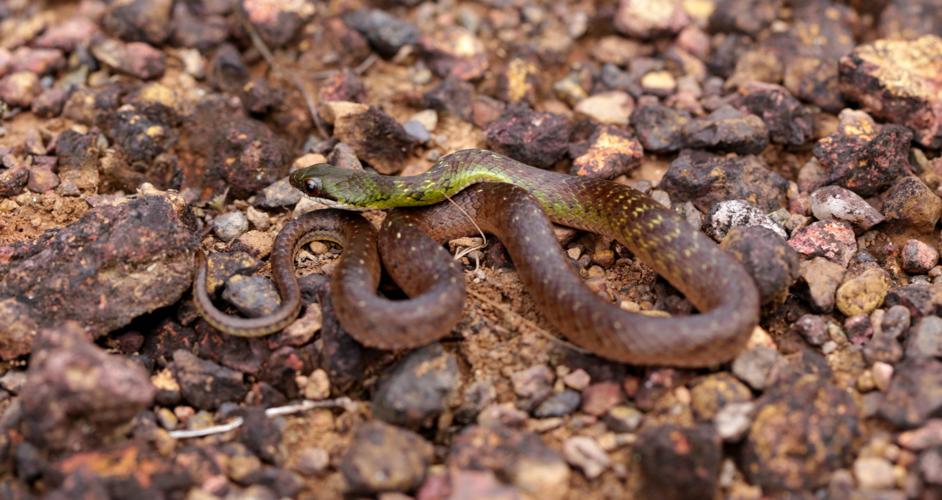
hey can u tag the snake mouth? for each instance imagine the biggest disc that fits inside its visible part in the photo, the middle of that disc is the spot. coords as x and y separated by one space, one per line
336 204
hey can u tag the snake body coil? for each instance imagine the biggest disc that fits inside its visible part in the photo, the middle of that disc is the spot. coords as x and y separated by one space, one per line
711 279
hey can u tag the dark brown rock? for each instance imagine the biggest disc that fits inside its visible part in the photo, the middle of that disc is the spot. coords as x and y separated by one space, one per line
451 95
537 139
918 257
204 384
418 389
910 19
660 128
789 122
921 299
137 59
802 432
12 181
342 86
727 129
127 259
679 462
62 411
383 458
915 393
518 456
608 153
196 29
139 20
704 179
863 163
227 151
911 202
375 137
131 470
277 23
900 81
768 258
743 16
385 33
49 103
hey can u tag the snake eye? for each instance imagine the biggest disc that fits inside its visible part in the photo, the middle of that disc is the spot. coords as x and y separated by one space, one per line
312 186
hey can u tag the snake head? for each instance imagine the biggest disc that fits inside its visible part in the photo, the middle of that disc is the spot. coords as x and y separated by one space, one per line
330 185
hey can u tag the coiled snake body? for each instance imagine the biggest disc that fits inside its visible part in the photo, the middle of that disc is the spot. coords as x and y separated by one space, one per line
516 212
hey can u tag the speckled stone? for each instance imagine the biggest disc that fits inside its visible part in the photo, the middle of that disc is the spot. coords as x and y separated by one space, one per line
833 240
835 202
864 293
918 257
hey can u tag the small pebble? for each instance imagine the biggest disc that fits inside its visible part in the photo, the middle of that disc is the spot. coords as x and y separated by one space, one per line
318 385
260 220
383 458
813 328
925 338
756 367
558 405
611 108
882 375
311 461
918 257
254 296
835 202
913 203
623 419
864 293
585 453
874 473
577 379
733 420
599 398
230 225
823 277
726 215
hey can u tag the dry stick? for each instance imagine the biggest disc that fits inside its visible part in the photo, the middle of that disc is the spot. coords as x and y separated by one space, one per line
262 49
466 251
342 402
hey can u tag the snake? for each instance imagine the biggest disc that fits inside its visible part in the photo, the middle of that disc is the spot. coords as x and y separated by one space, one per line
518 204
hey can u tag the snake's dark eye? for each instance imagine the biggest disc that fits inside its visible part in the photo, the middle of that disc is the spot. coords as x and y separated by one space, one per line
312 186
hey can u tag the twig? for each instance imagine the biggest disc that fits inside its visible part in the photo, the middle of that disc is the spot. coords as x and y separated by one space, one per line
342 402
532 325
468 250
262 49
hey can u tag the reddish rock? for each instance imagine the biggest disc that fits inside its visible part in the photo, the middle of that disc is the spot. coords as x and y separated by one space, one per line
204 384
727 129
19 89
454 52
63 411
833 240
196 29
68 34
135 58
660 128
900 81
862 162
610 152
909 19
534 138
383 458
598 398
744 16
918 257
39 61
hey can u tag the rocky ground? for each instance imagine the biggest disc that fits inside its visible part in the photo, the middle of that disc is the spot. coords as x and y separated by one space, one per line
803 135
